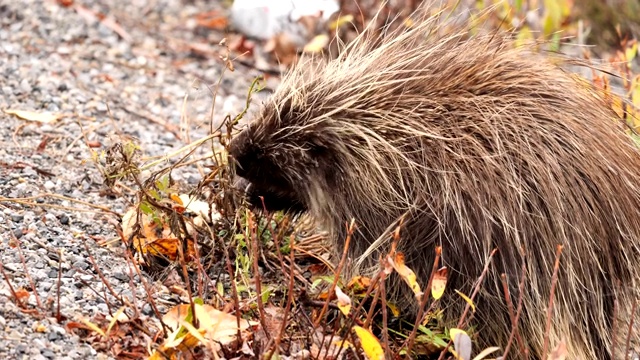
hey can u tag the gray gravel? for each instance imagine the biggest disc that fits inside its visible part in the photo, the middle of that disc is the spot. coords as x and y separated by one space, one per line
57 59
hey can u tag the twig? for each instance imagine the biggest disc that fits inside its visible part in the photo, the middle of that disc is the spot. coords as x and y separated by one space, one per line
58 316
30 201
289 300
234 290
97 269
350 229
11 289
369 318
473 295
26 271
554 280
383 298
523 275
423 303
145 284
185 274
256 270
507 299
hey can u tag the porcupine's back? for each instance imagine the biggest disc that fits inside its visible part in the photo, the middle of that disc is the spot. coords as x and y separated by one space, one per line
483 146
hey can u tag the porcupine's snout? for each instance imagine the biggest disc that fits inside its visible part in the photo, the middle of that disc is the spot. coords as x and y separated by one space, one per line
257 179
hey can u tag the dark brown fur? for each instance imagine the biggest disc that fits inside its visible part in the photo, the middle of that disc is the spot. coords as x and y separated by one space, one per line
481 146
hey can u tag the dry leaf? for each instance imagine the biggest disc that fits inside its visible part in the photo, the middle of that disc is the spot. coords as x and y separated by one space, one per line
484 353
439 283
370 344
317 43
283 48
461 344
155 239
215 328
22 294
406 273
212 20
344 302
41 117
359 283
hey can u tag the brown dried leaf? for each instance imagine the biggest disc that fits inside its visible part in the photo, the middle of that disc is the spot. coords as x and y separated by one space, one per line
215 328
41 117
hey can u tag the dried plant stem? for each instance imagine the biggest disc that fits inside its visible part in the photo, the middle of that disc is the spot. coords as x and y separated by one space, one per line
234 289
523 275
554 281
423 303
26 271
185 275
58 315
256 270
337 273
507 298
11 289
383 298
473 295
100 274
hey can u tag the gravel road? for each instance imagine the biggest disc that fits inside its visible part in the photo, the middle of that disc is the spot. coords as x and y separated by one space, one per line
101 79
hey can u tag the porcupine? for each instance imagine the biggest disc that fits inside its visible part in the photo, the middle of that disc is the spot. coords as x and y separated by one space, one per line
478 145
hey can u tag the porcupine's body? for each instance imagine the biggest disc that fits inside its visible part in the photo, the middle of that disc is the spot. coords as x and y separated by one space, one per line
480 146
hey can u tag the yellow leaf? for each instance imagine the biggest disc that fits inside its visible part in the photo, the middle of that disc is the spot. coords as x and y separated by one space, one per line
340 21
40 328
618 106
439 283
317 43
176 198
467 299
93 326
484 353
394 309
553 16
524 35
118 316
41 117
406 273
631 52
345 344
635 91
344 302
370 344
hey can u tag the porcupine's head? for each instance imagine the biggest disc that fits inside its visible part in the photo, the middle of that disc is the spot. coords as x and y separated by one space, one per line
283 156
